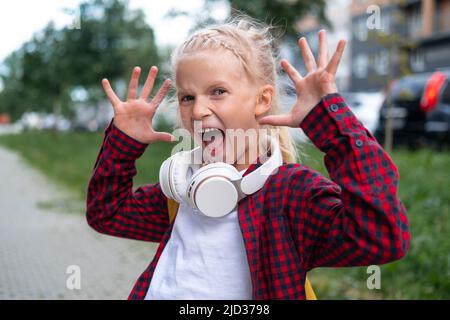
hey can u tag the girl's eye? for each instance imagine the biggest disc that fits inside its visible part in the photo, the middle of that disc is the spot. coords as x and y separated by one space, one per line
184 98
218 91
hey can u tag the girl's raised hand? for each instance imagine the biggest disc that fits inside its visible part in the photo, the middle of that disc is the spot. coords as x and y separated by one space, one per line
318 82
134 116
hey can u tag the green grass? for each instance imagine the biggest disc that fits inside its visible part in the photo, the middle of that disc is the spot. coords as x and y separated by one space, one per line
424 186
69 159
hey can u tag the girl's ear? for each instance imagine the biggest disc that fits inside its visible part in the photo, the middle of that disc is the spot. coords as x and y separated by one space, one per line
264 100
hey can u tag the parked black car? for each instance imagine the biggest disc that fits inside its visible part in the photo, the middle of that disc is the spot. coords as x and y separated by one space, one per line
420 109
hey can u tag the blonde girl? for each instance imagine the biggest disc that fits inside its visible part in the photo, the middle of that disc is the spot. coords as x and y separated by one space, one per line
225 77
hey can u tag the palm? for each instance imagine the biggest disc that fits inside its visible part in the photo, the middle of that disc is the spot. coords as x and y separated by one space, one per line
318 82
310 88
134 116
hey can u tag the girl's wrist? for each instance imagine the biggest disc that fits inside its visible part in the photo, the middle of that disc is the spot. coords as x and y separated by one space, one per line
314 102
130 131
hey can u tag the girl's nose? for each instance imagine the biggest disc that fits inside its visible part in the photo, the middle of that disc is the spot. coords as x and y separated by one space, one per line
200 110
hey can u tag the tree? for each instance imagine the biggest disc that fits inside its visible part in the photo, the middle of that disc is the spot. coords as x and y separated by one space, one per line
29 76
43 74
12 95
285 13
111 40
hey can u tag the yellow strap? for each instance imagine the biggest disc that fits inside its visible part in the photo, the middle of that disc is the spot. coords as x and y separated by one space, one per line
310 295
172 206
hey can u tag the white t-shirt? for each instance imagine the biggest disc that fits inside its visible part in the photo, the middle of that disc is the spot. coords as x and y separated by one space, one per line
205 258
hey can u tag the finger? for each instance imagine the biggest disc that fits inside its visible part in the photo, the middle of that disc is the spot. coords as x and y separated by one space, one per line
308 57
322 56
161 93
277 120
336 58
148 85
293 74
133 86
112 97
164 136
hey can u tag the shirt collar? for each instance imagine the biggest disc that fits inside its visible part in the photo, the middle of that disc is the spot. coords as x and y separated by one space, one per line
253 166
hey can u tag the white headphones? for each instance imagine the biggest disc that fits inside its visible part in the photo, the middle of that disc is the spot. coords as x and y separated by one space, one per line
216 188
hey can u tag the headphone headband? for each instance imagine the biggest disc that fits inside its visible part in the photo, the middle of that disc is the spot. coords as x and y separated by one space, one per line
256 179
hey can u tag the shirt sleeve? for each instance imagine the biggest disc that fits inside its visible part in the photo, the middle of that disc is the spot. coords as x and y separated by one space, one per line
356 219
111 206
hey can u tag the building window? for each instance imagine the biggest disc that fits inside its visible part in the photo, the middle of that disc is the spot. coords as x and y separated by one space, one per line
417 60
360 66
381 62
361 29
414 21
385 23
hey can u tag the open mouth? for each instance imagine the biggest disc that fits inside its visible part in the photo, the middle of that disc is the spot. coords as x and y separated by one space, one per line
213 140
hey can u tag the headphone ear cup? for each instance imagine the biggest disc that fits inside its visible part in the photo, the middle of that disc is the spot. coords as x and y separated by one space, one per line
211 190
178 176
173 173
172 176
164 178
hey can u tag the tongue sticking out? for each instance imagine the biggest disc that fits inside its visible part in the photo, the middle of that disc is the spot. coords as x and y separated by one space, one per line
213 141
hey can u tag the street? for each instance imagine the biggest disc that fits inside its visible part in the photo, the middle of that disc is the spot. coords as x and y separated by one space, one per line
39 243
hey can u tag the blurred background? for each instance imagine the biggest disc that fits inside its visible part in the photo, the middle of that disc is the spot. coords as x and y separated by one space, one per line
395 76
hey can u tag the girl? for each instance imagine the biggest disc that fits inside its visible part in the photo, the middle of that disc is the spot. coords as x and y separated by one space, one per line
226 78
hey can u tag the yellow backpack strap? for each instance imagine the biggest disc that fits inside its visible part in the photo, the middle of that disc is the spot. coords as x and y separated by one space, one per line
172 206
310 295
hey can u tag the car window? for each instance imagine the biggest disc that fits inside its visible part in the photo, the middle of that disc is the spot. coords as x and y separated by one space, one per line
445 97
407 91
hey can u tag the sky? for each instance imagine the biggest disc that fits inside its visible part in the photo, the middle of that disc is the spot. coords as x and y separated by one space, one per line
20 19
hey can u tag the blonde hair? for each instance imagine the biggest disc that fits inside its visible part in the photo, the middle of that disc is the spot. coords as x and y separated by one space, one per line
253 44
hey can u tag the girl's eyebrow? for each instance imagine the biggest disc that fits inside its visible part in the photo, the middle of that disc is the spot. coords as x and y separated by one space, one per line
218 83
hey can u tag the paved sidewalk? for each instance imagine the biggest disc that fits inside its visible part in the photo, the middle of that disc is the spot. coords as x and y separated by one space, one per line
37 245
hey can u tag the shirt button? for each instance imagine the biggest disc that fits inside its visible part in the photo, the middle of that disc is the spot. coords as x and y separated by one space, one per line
358 143
334 107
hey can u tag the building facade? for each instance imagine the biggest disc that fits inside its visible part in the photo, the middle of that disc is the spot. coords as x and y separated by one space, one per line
339 16
394 38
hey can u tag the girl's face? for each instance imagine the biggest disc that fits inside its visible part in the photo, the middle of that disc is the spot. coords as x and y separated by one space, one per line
215 92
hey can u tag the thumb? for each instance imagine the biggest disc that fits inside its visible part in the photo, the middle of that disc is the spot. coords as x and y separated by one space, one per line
277 120
164 136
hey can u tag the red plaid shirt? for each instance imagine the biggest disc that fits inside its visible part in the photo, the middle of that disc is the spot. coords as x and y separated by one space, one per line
298 221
